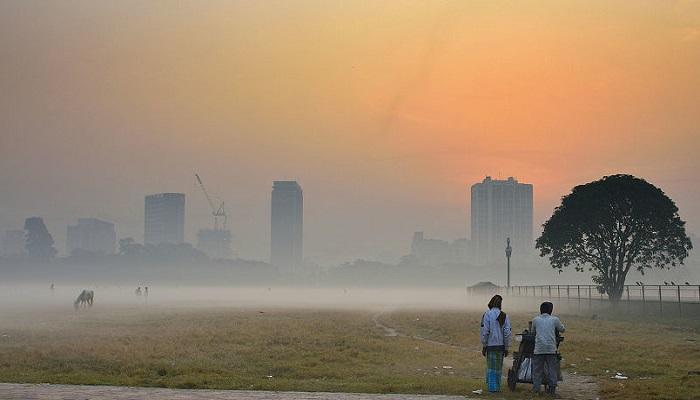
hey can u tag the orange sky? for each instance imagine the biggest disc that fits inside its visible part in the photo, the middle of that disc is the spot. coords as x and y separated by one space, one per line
384 111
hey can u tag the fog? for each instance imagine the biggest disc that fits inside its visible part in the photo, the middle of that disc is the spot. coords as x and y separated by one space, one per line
36 296
110 298
385 115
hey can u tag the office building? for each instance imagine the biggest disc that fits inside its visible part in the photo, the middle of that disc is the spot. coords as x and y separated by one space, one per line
501 209
91 235
164 219
287 226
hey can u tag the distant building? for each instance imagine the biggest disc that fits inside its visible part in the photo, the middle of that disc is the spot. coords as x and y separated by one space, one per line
215 243
13 243
501 209
91 234
164 219
434 252
287 226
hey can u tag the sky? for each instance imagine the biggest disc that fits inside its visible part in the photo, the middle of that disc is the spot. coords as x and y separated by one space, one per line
384 111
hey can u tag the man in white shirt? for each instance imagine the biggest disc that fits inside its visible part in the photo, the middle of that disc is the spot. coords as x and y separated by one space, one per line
545 327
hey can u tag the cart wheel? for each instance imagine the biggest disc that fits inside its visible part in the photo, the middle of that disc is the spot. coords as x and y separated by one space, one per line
512 380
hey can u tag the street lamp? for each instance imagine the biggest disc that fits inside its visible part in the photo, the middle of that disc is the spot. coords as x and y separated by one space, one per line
509 250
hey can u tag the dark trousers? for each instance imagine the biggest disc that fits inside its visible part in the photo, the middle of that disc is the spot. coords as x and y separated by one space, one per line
544 369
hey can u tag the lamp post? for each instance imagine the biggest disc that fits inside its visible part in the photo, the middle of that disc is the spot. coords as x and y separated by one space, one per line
509 250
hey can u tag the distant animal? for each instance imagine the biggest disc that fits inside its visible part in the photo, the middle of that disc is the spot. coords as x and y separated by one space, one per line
85 299
51 286
138 291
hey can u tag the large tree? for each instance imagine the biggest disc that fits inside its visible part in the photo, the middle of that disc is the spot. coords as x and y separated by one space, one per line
612 225
39 243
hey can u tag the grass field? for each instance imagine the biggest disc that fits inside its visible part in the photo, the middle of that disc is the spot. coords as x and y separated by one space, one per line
323 351
656 357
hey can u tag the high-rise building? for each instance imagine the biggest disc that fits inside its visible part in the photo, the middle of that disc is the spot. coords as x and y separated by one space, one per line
91 234
13 243
287 230
164 219
501 209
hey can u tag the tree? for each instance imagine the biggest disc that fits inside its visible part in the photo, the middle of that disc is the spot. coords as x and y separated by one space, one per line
129 247
39 243
612 225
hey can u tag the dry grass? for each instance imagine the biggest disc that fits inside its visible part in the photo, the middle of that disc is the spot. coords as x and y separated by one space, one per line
322 351
224 348
656 357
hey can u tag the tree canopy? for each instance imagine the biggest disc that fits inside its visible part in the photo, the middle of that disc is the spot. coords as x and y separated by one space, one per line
612 225
39 243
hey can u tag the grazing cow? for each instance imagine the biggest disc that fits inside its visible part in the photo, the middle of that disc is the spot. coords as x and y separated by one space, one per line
85 299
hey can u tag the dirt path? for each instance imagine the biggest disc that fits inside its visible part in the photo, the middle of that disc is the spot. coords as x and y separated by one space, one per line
11 391
574 387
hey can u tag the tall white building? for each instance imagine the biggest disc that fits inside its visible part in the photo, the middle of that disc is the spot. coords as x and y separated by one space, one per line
91 234
164 219
287 226
501 209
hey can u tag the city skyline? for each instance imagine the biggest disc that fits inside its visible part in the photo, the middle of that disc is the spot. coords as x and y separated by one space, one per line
385 124
183 208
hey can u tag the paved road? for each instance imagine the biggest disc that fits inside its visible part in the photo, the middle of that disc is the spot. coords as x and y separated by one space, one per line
11 391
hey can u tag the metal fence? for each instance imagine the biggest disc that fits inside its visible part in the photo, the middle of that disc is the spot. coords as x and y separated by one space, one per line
648 296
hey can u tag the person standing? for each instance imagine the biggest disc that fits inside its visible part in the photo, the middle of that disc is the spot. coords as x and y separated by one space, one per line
545 361
495 338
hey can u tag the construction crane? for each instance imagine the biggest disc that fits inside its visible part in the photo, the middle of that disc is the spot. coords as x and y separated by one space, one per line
217 212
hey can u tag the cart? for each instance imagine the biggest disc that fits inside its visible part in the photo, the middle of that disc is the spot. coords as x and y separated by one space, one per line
522 360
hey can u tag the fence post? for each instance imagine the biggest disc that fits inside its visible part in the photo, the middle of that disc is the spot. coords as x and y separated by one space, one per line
678 288
590 298
644 302
549 289
661 306
628 297
578 287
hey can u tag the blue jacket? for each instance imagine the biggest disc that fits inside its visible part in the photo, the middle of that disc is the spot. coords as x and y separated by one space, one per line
544 327
492 334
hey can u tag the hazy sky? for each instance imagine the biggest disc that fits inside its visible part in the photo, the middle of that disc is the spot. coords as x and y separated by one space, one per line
384 111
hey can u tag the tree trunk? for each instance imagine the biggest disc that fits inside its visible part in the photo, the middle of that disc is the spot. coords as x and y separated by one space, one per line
615 292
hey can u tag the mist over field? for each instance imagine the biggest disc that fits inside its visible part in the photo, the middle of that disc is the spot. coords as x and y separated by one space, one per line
325 196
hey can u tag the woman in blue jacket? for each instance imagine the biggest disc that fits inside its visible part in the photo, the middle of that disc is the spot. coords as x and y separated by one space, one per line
495 338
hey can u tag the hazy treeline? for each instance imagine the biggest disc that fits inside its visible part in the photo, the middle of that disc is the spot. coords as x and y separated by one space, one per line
184 265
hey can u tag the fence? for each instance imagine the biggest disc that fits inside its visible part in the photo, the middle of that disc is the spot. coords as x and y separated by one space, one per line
650 297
